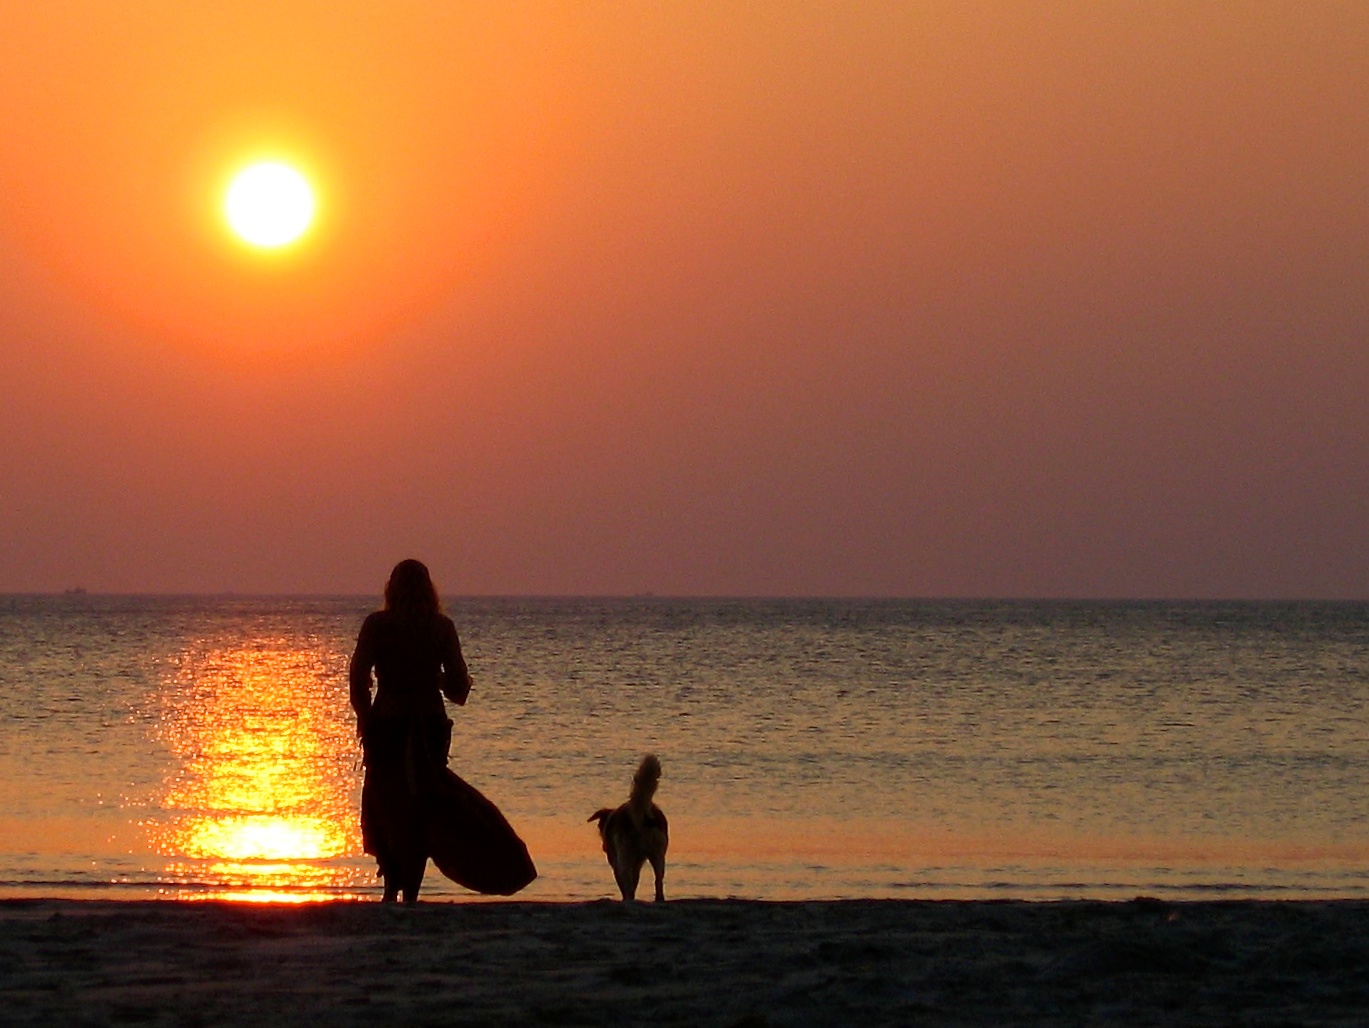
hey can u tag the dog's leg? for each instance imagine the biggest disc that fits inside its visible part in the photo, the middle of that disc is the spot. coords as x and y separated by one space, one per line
658 866
626 885
628 873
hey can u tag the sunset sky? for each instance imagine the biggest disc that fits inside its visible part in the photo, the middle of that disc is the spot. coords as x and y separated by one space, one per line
911 298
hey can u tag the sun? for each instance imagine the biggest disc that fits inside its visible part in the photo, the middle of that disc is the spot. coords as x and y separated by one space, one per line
269 205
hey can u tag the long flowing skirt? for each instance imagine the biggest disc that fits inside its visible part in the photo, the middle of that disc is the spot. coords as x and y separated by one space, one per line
413 808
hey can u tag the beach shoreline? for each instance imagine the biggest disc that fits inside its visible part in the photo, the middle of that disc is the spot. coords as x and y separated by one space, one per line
723 962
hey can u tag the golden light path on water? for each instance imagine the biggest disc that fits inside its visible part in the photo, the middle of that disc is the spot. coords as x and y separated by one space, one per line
260 800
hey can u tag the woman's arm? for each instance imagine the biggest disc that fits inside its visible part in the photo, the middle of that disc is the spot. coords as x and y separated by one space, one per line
456 678
359 674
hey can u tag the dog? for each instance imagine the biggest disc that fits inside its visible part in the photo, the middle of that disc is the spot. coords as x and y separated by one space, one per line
636 832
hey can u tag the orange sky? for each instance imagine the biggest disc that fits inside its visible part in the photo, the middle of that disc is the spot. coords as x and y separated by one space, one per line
884 298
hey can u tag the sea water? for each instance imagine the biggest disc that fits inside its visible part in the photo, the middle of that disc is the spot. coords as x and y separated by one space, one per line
203 746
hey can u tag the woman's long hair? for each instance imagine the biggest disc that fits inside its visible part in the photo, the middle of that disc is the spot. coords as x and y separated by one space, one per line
410 592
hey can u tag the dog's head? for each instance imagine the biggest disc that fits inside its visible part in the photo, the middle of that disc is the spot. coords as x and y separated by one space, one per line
600 815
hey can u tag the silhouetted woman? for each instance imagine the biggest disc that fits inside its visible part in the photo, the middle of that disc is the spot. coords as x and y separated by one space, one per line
413 651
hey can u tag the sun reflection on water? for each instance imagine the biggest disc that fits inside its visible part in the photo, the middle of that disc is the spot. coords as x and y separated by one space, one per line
260 805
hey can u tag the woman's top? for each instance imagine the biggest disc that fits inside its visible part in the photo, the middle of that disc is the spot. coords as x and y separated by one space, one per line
416 661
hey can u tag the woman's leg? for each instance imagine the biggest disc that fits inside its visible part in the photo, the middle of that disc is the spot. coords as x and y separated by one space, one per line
383 799
417 868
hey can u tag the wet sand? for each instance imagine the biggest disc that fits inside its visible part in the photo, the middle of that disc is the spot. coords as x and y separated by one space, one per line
692 962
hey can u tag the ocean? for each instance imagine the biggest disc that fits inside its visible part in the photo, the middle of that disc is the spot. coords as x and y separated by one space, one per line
195 747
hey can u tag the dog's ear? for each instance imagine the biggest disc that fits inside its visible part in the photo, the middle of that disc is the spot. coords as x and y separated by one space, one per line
599 815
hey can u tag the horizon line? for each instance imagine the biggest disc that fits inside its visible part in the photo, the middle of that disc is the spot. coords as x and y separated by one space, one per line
79 592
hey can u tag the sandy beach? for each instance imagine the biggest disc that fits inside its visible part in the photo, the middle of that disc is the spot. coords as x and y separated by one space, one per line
732 962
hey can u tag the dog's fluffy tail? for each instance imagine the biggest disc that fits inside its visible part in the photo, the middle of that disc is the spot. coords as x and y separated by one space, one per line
644 787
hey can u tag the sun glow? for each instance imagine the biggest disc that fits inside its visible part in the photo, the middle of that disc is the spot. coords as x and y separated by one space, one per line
260 802
269 205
